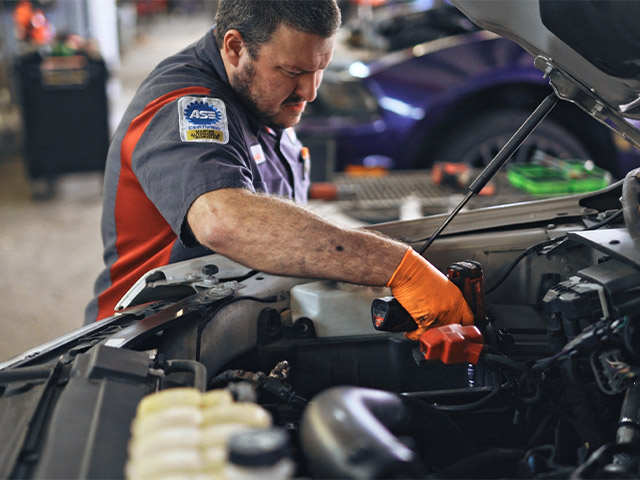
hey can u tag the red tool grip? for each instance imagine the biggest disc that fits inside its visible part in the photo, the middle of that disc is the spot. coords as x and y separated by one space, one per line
452 344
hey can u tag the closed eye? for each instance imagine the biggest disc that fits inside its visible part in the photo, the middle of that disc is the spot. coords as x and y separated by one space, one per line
290 73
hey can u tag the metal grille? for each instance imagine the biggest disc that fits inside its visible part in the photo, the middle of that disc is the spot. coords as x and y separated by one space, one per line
379 198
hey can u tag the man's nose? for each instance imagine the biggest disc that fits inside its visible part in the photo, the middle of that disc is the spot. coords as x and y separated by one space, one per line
308 85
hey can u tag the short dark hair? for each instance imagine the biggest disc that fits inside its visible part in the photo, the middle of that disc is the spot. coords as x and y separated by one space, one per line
256 20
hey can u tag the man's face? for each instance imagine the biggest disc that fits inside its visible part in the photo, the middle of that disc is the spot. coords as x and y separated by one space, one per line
285 75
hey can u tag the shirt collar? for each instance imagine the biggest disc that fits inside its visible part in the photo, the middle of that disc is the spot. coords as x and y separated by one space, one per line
208 51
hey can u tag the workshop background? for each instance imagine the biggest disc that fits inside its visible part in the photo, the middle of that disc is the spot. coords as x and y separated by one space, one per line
50 249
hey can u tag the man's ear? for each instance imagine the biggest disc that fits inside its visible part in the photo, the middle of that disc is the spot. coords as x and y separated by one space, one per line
233 46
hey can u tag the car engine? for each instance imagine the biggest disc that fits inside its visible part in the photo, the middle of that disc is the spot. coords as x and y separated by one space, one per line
552 391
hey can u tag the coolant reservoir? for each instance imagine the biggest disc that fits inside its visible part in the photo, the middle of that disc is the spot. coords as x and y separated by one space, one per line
336 308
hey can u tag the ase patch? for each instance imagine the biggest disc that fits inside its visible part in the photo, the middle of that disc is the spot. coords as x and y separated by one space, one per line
203 119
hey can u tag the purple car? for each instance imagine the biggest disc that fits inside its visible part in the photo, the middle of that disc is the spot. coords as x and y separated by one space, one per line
436 88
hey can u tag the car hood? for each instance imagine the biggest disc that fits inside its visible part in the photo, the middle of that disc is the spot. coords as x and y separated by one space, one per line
587 48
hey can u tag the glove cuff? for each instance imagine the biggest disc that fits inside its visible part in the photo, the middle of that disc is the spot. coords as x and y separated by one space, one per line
402 266
414 266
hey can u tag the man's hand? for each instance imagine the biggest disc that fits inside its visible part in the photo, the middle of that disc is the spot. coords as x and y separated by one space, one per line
427 294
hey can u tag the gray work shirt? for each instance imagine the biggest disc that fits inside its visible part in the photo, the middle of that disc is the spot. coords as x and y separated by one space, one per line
184 134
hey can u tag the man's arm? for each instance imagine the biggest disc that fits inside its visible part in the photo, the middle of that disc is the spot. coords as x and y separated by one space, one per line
276 236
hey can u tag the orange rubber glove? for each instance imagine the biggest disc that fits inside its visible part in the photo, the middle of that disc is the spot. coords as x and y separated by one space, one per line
427 294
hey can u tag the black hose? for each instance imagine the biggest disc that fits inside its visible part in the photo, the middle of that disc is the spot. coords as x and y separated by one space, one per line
478 403
524 253
346 433
629 332
529 383
631 204
198 370
492 359
23 374
223 379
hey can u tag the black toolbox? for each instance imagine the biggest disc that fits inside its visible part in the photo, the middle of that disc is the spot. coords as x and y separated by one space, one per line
65 115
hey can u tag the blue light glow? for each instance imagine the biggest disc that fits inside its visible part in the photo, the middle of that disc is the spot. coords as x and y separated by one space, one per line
401 108
359 70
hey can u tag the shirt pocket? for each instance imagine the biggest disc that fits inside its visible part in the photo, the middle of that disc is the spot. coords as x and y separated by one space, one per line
274 186
270 180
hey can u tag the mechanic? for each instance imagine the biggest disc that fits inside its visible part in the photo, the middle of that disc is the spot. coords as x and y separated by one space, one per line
206 159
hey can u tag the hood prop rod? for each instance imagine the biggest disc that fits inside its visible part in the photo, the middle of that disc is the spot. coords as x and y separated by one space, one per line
498 161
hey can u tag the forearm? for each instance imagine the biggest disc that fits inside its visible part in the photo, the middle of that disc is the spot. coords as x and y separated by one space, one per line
277 236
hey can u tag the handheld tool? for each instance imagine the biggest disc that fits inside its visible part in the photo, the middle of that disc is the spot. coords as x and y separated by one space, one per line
387 314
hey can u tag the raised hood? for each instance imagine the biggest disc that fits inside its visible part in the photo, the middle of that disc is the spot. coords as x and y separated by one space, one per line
589 49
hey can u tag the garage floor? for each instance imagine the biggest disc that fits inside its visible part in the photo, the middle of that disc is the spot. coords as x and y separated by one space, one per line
50 251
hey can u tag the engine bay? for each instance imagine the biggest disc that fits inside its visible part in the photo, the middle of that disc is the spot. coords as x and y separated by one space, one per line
552 392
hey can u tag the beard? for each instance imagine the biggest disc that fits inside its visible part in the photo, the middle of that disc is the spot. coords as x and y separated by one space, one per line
243 82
